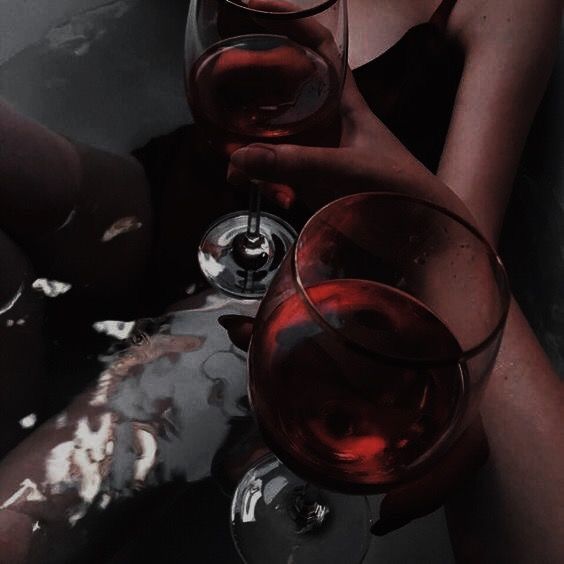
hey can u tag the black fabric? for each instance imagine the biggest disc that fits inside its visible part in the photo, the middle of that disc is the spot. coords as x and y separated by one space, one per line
412 88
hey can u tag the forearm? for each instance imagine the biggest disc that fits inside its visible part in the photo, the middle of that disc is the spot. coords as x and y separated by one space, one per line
513 512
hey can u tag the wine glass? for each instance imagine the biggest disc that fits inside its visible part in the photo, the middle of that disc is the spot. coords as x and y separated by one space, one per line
261 70
368 358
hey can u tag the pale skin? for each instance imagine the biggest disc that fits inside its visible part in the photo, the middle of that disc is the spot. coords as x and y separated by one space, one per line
513 512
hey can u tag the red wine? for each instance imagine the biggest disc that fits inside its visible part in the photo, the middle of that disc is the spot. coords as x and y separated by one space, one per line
261 87
340 414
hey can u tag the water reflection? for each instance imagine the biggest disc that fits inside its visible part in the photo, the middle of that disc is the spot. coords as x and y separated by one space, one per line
164 405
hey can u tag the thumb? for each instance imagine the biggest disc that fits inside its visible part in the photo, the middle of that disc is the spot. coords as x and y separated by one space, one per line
292 164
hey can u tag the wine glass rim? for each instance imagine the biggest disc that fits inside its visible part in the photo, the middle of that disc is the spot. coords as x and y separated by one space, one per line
465 355
304 13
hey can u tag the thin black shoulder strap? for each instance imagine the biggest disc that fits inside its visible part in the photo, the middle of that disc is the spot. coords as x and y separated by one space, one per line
442 13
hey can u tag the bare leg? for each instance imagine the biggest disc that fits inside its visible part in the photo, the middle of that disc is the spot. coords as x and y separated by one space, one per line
82 215
160 411
67 212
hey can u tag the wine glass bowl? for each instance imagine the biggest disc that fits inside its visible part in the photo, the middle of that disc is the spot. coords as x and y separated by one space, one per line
261 70
264 69
373 345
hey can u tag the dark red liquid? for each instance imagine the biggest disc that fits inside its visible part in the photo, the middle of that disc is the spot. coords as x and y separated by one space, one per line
339 415
261 87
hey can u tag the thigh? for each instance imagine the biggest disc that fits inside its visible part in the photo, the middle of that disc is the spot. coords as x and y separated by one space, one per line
103 248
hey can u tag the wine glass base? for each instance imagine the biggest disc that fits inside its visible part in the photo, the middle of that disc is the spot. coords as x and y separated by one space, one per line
220 260
276 518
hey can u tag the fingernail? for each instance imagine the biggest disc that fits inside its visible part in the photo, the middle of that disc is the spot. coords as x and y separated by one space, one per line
228 321
254 158
385 526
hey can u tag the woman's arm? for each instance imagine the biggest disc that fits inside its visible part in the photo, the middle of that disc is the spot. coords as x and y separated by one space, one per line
514 511
510 47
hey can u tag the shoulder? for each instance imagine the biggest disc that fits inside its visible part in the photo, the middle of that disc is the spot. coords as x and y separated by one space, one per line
506 24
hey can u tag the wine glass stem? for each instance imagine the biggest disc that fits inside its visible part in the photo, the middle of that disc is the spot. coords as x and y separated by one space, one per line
253 224
253 250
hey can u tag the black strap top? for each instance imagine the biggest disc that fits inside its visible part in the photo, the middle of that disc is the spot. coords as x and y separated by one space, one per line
411 87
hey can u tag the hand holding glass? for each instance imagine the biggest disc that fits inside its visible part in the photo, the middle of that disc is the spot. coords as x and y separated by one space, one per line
261 70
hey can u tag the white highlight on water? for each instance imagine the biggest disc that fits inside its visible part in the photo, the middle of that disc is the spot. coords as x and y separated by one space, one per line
28 491
61 420
101 394
75 517
51 288
28 421
120 227
146 460
119 329
79 462
104 501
